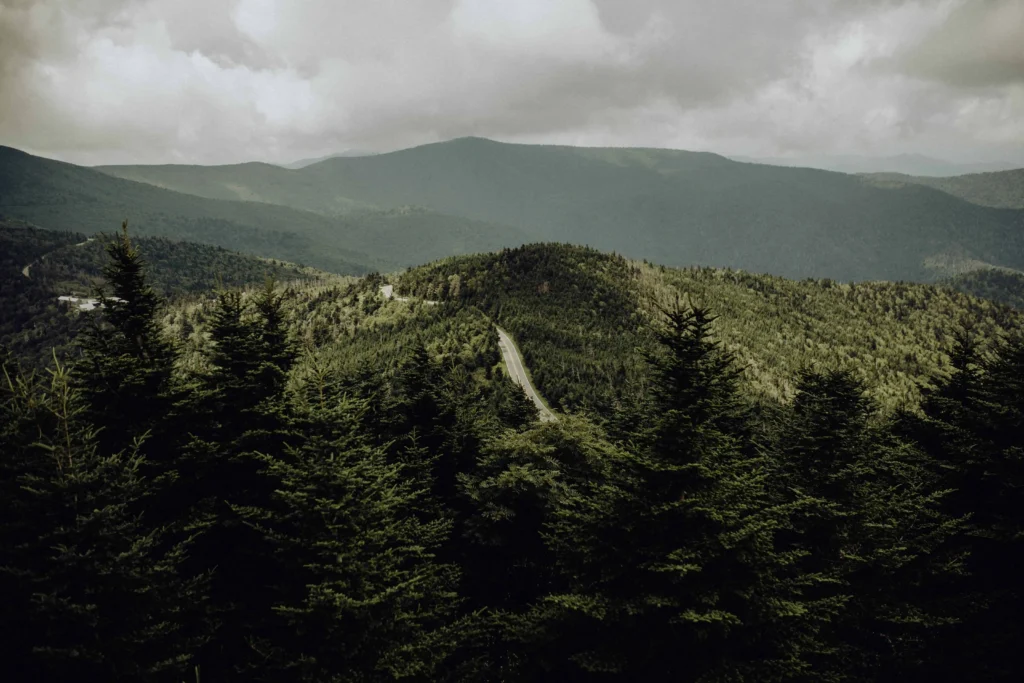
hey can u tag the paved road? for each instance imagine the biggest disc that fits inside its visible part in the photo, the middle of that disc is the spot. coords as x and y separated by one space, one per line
515 368
26 269
512 360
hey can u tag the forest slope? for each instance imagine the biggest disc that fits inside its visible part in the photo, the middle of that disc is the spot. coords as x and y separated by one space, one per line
680 208
32 321
998 189
579 318
60 196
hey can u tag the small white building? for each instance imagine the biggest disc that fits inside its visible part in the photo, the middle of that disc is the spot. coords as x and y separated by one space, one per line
83 303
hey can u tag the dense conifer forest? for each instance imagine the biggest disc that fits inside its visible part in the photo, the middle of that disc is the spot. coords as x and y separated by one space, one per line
751 479
996 284
38 266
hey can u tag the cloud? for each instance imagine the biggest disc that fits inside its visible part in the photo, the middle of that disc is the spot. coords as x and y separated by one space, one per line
212 81
979 45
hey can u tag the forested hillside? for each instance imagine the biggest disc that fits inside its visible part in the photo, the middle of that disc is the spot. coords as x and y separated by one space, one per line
996 284
37 266
999 189
910 164
580 318
677 208
60 196
310 482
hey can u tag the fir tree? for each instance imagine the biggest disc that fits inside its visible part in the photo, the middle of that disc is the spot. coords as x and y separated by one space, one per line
991 480
873 539
512 406
520 479
957 429
22 418
670 561
239 409
125 374
107 591
365 598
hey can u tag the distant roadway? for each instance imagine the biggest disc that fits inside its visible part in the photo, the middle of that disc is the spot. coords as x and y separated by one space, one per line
512 361
26 270
515 368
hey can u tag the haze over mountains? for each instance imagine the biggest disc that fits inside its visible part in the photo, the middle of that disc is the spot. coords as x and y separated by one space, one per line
909 164
673 207
354 214
61 196
1004 189
302 163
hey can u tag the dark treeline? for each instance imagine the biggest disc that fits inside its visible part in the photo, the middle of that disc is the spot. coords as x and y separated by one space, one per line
419 524
33 322
1002 285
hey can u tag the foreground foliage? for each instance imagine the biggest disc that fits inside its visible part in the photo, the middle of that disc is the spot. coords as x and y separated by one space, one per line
319 485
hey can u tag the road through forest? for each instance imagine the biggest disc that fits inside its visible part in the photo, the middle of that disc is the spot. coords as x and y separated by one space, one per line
26 269
517 371
509 353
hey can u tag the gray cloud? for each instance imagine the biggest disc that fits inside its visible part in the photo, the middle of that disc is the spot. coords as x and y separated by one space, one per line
209 81
981 44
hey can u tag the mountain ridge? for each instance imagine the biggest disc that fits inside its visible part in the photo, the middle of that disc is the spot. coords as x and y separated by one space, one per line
61 196
671 206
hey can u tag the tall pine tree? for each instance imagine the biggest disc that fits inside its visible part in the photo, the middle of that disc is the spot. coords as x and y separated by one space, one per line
363 597
102 589
125 373
875 543
670 560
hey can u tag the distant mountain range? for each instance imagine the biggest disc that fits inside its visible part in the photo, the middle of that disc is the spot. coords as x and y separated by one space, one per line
1002 189
909 164
61 196
303 163
472 195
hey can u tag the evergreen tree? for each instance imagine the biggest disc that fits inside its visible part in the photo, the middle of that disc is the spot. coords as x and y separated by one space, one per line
518 482
416 419
21 421
239 409
278 353
125 374
967 429
512 406
670 561
874 543
990 480
365 598
106 588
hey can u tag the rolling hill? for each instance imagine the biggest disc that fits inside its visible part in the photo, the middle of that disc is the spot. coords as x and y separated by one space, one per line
32 320
674 207
60 196
579 317
912 164
1001 189
302 163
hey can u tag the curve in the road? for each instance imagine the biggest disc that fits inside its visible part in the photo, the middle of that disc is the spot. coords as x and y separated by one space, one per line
518 373
513 362
26 269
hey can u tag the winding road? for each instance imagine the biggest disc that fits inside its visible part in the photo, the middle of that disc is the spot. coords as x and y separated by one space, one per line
518 373
509 353
26 269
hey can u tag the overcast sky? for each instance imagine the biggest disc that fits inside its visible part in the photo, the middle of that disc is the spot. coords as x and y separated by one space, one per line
218 81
